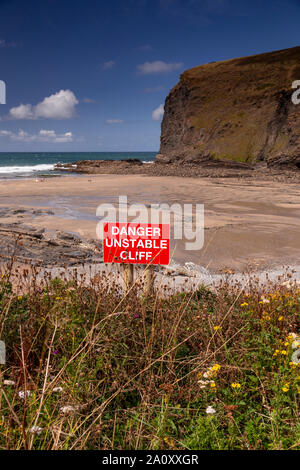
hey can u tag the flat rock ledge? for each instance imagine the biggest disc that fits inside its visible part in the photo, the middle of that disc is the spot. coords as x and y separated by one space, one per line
188 168
27 244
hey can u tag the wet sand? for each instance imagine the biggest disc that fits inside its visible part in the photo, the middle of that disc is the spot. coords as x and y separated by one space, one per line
248 225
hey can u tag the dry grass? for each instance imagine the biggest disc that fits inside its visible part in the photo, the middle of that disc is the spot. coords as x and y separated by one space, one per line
90 369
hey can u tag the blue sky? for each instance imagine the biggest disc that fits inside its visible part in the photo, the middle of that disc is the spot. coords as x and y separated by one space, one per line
93 75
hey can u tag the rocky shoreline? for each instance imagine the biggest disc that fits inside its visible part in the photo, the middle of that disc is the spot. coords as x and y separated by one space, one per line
188 169
24 245
29 245
249 224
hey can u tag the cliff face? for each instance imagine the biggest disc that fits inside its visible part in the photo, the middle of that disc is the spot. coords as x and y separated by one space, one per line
239 110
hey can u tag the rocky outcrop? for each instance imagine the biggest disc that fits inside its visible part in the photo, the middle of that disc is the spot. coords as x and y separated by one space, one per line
238 110
99 166
29 245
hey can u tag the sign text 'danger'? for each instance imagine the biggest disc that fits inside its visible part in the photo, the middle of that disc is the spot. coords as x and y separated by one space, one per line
136 243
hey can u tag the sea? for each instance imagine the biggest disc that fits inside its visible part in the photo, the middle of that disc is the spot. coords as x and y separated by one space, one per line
26 164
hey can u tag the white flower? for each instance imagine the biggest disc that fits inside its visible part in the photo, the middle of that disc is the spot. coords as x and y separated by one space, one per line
57 389
23 394
35 430
264 300
210 410
67 409
8 382
210 372
207 374
293 335
202 383
296 344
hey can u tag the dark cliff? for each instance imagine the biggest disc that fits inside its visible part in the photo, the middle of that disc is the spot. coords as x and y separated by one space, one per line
239 110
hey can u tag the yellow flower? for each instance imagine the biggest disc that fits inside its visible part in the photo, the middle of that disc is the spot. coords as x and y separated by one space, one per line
169 441
20 297
283 352
291 337
266 316
244 304
281 318
276 352
212 384
212 371
285 389
217 327
294 365
236 385
57 298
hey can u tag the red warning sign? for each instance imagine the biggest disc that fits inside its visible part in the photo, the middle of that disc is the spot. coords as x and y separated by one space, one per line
136 243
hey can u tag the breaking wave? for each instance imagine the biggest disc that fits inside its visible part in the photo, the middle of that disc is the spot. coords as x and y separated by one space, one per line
25 169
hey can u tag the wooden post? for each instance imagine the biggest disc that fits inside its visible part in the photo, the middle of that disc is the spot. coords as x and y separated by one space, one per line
128 276
2 352
149 280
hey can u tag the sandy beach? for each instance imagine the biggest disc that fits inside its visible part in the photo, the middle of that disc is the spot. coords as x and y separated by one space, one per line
248 225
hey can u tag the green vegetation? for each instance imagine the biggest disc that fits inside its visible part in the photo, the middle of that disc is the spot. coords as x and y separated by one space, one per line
226 156
280 143
90 369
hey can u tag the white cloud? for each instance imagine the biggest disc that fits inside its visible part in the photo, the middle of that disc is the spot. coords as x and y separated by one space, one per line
24 111
158 66
43 136
109 64
158 113
114 121
60 105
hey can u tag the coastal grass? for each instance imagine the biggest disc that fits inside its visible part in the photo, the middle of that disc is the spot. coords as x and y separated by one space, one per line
89 368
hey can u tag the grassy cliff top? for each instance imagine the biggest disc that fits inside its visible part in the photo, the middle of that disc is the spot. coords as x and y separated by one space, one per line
285 61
